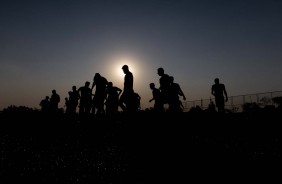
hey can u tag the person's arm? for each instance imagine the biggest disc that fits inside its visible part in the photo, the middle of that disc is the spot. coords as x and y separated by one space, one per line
181 105
93 84
118 90
153 97
180 92
78 91
78 95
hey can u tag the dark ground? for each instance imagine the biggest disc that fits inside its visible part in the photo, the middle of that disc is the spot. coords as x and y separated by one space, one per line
139 148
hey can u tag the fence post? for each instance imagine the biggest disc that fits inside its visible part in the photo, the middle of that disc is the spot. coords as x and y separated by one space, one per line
231 100
201 103
243 99
271 98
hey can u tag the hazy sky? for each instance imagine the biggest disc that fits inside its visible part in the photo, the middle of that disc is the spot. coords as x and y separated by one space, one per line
55 44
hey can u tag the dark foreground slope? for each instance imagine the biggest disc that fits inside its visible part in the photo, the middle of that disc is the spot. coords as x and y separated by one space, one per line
139 148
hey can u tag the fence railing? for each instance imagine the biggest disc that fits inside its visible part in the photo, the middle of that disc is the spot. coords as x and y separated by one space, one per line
235 103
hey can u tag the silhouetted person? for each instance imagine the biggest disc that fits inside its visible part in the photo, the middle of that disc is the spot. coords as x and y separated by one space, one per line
158 106
54 101
85 99
175 105
68 106
100 93
127 89
218 91
71 103
164 85
73 98
45 104
112 99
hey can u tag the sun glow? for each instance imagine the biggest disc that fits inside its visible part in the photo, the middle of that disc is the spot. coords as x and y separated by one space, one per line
120 72
131 63
115 73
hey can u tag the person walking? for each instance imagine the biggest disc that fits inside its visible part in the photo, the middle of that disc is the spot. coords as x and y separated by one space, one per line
158 106
127 89
219 92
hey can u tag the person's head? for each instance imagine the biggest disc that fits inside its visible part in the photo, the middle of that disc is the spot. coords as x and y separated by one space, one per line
47 97
152 85
87 83
125 69
216 80
160 71
74 88
96 76
54 91
110 84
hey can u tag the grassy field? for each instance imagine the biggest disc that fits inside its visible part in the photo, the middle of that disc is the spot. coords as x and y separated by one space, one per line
137 148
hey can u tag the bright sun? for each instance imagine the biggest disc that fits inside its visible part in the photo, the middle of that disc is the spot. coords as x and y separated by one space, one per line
116 61
125 61
119 71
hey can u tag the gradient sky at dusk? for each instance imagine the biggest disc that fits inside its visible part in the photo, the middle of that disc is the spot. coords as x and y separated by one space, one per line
55 44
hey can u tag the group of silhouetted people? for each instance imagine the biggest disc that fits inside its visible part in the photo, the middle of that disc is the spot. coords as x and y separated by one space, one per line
168 93
107 98
50 104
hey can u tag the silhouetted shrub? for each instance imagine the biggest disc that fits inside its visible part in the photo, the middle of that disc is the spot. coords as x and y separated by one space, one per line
196 109
20 109
250 107
277 100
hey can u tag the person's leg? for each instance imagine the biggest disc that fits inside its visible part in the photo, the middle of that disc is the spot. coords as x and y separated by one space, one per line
121 102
